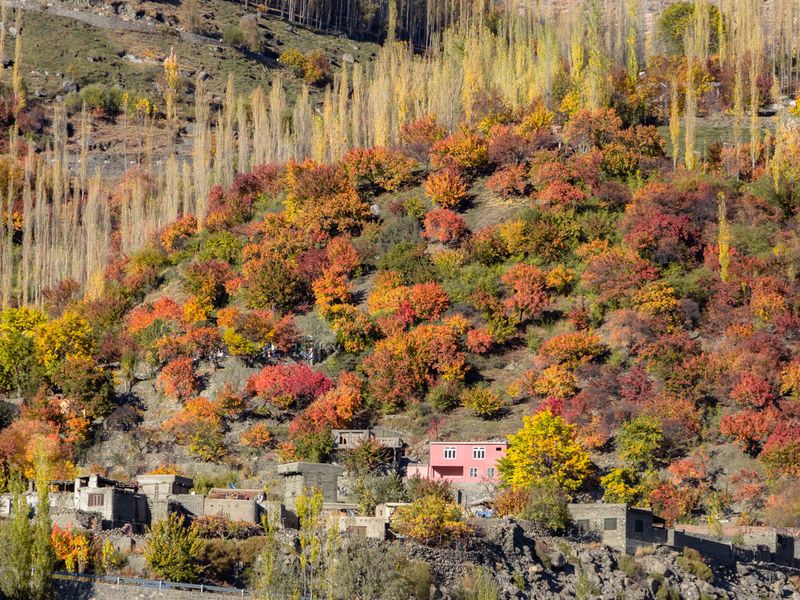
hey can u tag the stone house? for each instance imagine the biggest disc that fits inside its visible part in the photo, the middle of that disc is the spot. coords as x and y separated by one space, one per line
160 486
618 525
299 476
116 504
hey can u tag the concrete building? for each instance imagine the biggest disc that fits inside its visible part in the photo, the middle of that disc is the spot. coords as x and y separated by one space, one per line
235 505
299 476
116 504
160 486
464 462
619 525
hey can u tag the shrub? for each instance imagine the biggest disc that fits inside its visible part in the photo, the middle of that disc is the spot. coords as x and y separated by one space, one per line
691 562
178 380
258 436
508 181
444 226
419 487
446 187
286 386
173 548
640 440
379 168
313 67
483 401
101 99
430 520
547 506
233 35
444 396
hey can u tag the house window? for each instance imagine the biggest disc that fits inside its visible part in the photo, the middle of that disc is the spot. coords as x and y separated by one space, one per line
490 472
609 524
638 526
582 524
498 449
450 452
96 500
479 453
473 471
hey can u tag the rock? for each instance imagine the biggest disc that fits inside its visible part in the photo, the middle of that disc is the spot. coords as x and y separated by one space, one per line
535 569
69 87
556 559
348 58
134 59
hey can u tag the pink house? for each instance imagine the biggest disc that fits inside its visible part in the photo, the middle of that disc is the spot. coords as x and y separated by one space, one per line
463 462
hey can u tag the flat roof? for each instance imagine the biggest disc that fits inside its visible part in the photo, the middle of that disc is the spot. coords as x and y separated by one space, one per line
494 442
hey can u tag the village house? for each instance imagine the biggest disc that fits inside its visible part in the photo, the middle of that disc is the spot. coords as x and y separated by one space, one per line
618 525
461 462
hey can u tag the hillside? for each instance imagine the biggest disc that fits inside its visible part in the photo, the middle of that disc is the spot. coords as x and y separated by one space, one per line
225 235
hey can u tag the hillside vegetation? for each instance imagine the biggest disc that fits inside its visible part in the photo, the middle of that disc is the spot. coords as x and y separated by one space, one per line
485 239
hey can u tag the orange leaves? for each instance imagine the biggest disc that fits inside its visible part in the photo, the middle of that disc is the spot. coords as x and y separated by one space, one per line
334 410
178 380
404 365
446 187
571 349
163 309
285 386
175 234
528 290
443 225
464 149
257 436
378 168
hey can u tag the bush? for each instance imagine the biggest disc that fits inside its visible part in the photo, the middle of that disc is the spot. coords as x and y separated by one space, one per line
446 187
483 401
547 506
173 549
431 520
443 225
233 35
313 67
420 487
444 396
691 562
98 98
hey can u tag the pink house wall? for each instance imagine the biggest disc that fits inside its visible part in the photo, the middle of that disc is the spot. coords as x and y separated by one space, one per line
467 466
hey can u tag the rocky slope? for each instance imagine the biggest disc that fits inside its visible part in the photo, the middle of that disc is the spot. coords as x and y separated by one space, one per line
529 565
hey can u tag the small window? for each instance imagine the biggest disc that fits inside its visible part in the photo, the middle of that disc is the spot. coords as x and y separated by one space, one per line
490 472
96 500
638 526
473 471
498 449
609 524
450 452
582 524
479 453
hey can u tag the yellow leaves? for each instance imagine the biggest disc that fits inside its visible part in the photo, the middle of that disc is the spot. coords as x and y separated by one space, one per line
555 381
536 121
545 448
622 486
67 337
560 278
657 299
430 519
195 310
514 236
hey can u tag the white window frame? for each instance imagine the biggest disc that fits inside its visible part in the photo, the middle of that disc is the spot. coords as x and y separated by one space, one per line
490 472
450 450
479 450
473 472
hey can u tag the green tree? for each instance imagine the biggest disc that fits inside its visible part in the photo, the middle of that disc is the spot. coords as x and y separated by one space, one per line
639 441
16 537
547 506
173 548
545 449
43 556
